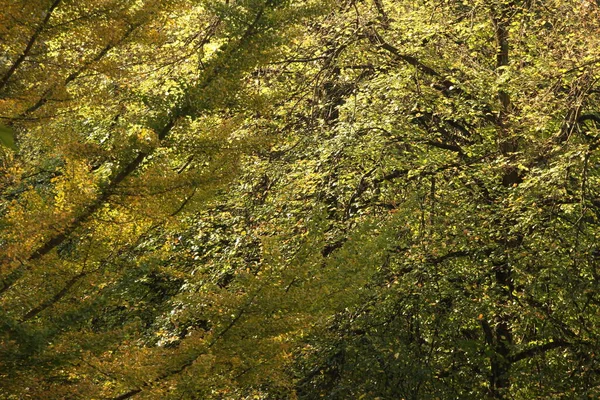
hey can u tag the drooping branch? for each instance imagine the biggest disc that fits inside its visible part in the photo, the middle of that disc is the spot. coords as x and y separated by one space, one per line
378 40
442 84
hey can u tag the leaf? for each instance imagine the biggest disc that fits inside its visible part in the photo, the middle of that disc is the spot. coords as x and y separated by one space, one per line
7 137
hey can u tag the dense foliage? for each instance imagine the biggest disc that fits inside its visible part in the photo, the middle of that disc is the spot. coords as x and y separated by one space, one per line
267 199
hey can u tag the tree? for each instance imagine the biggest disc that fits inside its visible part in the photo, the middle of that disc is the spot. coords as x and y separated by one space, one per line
474 135
131 126
385 200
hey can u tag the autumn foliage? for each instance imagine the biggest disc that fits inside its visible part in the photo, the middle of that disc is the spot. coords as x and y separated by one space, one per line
269 199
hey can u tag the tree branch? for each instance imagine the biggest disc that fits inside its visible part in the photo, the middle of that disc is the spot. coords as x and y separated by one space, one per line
54 299
191 362
75 74
539 349
29 46
445 146
445 86
85 215
106 191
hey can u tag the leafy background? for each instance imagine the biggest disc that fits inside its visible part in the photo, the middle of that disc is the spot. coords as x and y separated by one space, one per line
268 199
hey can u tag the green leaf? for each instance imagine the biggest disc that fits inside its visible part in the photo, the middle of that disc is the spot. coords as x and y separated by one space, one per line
7 137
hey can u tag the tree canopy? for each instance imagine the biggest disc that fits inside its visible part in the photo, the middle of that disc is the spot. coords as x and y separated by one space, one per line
267 199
